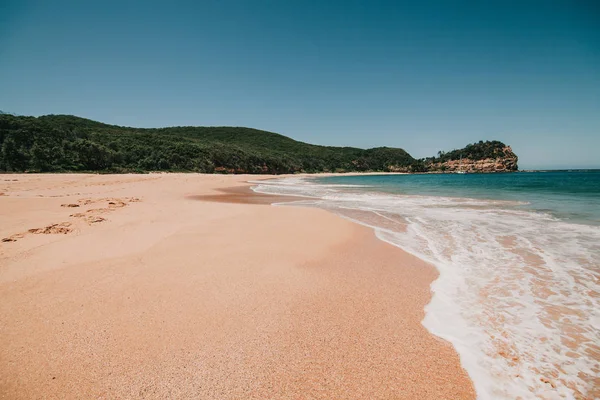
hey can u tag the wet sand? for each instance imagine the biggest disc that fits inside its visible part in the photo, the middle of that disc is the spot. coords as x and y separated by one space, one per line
150 291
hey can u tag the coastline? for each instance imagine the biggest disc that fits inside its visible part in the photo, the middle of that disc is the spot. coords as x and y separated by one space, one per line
228 297
539 341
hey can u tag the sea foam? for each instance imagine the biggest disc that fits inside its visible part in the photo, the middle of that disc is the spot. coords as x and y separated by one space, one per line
518 293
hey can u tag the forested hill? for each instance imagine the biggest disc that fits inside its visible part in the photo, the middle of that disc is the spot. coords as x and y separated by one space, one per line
68 143
488 156
55 143
475 151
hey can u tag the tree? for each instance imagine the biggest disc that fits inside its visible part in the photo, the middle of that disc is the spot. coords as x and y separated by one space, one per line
14 157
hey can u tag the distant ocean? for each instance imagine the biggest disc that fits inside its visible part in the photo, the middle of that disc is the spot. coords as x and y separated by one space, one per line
519 259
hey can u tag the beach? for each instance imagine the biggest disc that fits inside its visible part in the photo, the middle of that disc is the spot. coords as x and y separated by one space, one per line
191 286
517 256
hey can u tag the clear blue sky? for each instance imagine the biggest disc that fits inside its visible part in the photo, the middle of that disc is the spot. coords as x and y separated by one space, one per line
427 76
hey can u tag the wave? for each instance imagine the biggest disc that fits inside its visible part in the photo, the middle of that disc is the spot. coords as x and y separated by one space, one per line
518 293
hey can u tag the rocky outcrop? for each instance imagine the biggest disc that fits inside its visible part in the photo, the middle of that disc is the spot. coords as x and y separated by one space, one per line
398 168
507 162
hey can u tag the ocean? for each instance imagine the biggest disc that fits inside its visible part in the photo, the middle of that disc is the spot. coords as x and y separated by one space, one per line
519 260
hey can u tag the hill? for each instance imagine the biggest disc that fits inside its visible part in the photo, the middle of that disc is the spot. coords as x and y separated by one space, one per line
488 156
55 143
69 143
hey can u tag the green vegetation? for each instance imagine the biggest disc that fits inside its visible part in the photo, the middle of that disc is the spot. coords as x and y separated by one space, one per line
495 157
56 143
475 151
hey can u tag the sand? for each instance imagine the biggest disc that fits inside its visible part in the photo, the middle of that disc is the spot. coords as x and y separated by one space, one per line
178 286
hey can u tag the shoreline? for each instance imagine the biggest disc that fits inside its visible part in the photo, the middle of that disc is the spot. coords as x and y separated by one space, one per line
469 320
168 296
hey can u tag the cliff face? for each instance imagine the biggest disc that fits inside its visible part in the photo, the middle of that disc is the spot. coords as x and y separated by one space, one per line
507 162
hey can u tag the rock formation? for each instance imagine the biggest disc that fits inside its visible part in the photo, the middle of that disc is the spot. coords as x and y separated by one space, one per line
507 161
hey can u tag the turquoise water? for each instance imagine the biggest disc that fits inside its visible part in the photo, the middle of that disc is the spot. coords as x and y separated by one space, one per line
518 254
569 195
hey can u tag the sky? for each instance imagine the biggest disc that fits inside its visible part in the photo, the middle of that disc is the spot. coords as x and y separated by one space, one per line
424 76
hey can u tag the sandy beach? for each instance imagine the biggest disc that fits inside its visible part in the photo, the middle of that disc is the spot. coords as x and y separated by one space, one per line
185 286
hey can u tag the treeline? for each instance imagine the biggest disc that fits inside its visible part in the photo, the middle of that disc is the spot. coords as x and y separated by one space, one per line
476 151
56 143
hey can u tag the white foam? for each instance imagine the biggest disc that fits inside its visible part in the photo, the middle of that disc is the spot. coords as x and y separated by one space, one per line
518 293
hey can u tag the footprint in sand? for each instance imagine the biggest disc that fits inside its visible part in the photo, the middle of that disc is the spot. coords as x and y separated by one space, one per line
87 216
62 228
13 238
90 219
112 204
